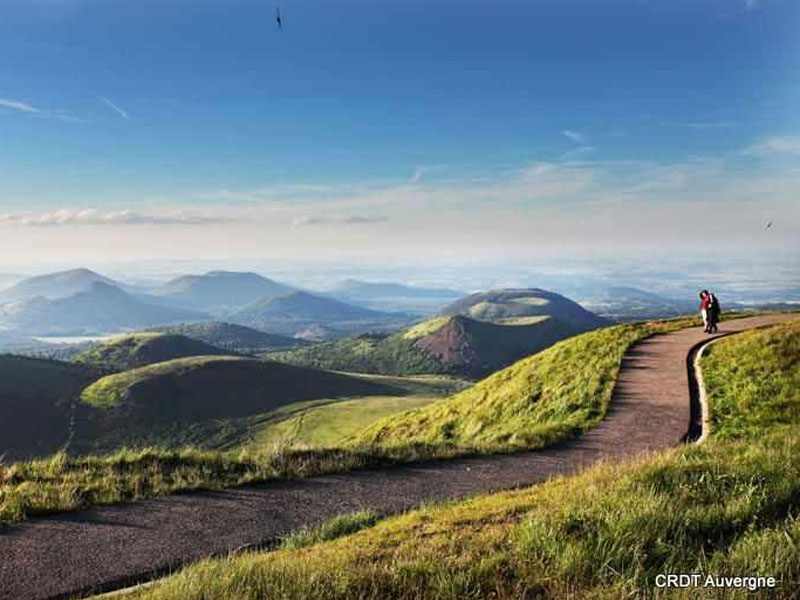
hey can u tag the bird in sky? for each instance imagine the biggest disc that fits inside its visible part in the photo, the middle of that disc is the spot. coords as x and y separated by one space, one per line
279 18
769 225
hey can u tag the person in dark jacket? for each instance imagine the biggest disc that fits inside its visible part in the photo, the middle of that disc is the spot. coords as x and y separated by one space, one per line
710 311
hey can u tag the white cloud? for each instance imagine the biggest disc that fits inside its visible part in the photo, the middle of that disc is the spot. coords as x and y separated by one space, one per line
25 107
279 193
93 216
418 173
578 152
121 112
347 220
20 106
775 145
574 136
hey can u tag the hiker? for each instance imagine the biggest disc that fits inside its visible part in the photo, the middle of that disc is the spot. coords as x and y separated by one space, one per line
713 312
709 309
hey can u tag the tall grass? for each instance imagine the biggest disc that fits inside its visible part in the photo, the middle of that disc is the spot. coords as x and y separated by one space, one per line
332 529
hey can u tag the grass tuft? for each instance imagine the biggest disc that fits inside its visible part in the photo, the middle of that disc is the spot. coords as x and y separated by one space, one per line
337 527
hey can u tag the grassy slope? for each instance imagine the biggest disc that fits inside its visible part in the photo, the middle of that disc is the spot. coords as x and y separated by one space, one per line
140 349
331 423
184 400
45 486
36 396
322 422
550 396
729 507
366 354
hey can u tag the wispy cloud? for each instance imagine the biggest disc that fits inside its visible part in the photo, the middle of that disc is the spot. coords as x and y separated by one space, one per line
418 173
574 136
578 152
775 145
281 193
93 216
121 112
25 107
20 106
347 220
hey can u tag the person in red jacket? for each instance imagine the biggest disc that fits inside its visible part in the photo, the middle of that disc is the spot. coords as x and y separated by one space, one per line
705 303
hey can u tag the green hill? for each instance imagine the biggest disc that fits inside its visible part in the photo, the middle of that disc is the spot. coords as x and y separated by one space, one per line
162 403
36 397
232 337
140 349
454 345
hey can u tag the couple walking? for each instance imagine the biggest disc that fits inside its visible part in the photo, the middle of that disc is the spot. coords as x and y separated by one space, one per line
709 308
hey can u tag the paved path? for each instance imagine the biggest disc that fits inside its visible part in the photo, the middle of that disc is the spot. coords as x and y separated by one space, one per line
107 548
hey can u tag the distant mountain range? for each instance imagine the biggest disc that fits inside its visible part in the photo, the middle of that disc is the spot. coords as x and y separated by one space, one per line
394 297
299 312
364 290
98 309
54 286
219 291
82 302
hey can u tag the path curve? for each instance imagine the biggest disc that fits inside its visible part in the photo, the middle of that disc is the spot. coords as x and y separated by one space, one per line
112 547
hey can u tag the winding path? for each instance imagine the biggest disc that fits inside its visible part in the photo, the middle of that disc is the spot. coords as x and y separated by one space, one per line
107 548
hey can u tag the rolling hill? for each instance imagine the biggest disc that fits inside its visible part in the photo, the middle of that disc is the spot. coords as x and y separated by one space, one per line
55 285
219 290
140 349
98 309
36 396
162 402
298 311
233 337
456 344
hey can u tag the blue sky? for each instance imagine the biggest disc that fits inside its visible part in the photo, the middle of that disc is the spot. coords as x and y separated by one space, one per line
566 124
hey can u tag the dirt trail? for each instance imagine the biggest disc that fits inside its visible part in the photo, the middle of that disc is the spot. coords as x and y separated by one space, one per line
107 548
